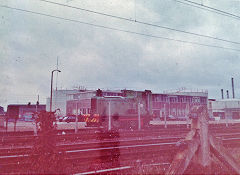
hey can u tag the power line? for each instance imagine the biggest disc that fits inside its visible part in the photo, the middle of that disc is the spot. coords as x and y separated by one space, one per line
199 7
202 6
120 30
141 22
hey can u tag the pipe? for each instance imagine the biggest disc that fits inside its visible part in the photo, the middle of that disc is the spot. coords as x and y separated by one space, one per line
227 95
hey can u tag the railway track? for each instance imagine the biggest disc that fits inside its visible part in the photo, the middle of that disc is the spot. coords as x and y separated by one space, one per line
151 128
13 150
89 155
90 144
89 151
93 135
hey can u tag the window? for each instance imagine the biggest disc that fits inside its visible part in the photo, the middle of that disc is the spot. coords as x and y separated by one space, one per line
196 99
173 99
181 99
203 100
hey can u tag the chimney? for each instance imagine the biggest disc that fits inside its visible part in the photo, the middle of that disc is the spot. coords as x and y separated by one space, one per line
233 89
222 93
227 94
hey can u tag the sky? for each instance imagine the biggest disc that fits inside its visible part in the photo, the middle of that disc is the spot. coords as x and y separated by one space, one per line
96 57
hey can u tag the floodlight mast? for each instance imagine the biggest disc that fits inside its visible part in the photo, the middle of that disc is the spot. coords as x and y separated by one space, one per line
56 70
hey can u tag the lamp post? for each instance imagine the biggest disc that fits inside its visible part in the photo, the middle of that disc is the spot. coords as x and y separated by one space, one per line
51 88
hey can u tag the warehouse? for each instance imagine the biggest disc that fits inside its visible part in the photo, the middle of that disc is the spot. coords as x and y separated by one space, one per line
177 104
224 108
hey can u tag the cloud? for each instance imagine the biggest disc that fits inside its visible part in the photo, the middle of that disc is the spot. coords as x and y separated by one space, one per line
96 57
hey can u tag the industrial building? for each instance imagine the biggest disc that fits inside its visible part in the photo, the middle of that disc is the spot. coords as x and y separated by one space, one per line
23 111
177 104
81 101
224 108
1 110
172 104
59 100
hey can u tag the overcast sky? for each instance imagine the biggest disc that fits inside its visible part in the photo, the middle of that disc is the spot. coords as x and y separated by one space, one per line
101 58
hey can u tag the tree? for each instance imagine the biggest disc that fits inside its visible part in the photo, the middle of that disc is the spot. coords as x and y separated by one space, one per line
45 157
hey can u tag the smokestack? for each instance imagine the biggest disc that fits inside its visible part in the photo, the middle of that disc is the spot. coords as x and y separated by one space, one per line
227 94
233 89
222 93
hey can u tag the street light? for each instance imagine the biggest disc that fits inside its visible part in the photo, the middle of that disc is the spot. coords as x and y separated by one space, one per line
51 88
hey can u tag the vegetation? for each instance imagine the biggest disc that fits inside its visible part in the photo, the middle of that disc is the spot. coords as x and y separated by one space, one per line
45 157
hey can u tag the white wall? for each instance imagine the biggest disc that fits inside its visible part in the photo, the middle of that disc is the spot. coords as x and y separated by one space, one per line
59 100
228 103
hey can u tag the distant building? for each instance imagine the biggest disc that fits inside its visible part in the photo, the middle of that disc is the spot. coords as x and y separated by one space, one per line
59 100
224 108
23 110
176 104
1 110
81 101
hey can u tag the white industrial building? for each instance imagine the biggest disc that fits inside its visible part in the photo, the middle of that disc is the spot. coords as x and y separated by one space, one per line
224 108
59 100
178 103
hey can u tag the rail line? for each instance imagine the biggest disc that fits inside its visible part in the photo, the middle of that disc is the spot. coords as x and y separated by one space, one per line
151 128
99 149
90 153
97 135
101 135
124 151
89 144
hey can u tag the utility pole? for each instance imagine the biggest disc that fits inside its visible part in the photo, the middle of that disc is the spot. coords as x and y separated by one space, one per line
169 107
52 88
37 104
57 75
109 115
76 120
165 117
35 129
187 110
139 116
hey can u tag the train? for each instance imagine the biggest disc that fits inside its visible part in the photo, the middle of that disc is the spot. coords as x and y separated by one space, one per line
113 112
121 109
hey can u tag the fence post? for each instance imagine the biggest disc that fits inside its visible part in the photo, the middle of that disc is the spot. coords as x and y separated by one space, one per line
204 151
